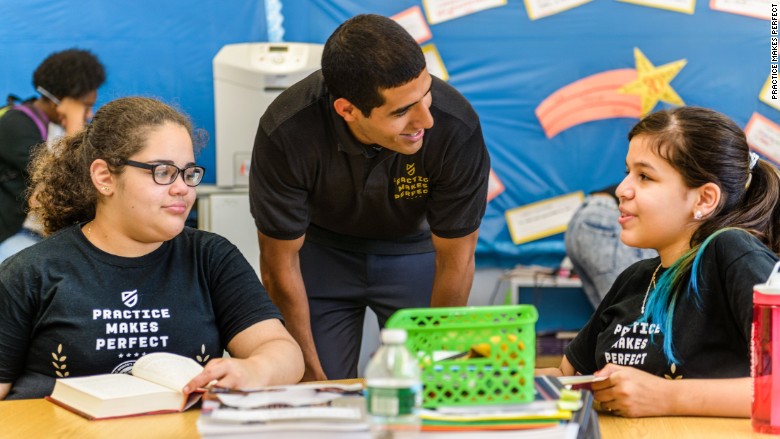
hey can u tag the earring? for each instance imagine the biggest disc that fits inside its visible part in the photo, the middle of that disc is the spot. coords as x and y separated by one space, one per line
697 215
106 188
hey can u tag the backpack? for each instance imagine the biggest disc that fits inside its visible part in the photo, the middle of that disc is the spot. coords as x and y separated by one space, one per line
16 103
9 174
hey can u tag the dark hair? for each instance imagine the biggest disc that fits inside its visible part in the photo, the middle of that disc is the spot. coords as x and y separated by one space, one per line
366 54
705 146
118 131
70 73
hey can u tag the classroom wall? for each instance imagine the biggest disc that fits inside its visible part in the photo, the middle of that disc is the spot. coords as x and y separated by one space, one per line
505 63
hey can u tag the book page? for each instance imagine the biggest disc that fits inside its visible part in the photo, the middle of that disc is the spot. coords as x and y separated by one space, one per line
114 386
170 370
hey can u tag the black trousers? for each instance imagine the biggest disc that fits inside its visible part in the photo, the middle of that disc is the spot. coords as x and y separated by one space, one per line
340 285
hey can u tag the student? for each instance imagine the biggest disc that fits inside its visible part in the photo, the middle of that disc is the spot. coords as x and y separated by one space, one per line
368 186
68 83
121 276
593 244
672 336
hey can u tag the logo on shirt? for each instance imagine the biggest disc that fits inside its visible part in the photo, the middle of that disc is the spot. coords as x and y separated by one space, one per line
130 298
410 186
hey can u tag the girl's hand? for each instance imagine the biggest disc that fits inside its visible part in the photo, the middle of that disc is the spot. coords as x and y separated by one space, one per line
631 392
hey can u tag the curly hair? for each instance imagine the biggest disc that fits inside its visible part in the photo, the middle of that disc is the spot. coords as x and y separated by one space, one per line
70 73
61 171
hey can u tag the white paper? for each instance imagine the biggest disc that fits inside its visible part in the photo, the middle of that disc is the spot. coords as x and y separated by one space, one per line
443 10
763 136
544 8
413 21
434 63
770 92
686 6
543 218
751 8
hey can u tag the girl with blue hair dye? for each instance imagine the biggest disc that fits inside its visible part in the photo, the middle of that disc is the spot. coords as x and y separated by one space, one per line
672 336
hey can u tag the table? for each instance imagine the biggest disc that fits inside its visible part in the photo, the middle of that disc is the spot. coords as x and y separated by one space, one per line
36 418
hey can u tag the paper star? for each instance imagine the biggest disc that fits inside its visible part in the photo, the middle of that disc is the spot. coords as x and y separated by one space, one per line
652 83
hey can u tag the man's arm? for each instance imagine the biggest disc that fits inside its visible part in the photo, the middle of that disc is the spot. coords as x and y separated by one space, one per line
454 269
281 272
4 389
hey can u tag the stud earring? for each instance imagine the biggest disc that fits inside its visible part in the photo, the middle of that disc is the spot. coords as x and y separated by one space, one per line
106 188
697 215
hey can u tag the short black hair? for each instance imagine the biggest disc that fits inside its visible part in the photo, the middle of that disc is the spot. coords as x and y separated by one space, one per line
70 73
366 54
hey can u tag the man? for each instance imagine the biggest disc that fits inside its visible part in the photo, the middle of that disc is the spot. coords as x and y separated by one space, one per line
359 198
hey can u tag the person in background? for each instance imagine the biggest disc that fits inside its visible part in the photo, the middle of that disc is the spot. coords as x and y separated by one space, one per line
368 185
121 276
68 82
672 336
593 244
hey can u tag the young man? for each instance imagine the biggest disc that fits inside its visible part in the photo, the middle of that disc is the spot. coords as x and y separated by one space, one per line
368 185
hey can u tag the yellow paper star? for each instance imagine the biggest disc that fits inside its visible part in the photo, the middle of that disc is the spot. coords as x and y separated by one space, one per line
652 83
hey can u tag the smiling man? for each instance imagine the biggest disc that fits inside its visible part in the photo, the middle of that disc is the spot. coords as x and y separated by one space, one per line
368 186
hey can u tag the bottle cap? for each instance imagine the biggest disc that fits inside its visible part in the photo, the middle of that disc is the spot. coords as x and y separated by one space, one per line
768 293
394 336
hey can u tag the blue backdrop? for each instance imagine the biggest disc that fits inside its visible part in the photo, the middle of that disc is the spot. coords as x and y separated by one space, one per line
503 62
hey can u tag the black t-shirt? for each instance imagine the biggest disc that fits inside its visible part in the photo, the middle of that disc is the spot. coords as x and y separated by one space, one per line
311 176
70 309
711 340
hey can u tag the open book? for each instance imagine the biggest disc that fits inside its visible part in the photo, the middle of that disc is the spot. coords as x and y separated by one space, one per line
155 386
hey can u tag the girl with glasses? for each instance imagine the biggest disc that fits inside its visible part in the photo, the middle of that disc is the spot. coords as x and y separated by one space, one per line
121 276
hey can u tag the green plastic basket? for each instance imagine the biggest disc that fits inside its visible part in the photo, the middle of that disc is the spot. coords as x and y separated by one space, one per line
449 342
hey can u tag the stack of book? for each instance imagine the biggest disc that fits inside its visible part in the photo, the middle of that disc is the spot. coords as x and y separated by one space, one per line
556 412
327 410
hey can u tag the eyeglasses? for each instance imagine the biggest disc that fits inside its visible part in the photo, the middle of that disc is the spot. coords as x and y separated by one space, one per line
165 174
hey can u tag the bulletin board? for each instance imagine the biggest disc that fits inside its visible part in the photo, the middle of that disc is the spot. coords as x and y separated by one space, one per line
552 82
537 72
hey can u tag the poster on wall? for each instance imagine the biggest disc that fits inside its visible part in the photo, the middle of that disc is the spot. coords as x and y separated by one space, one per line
763 136
610 94
751 8
495 186
769 92
413 21
434 63
542 218
537 9
439 11
684 6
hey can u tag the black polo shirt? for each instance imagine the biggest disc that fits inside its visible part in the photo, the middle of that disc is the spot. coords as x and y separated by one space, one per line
309 175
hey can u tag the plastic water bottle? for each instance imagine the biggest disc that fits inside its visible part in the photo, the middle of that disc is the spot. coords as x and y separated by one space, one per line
394 389
765 349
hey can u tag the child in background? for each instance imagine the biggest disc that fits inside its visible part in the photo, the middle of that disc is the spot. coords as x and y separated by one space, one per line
68 82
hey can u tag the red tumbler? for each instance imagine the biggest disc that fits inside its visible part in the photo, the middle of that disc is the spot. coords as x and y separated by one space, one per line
765 355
